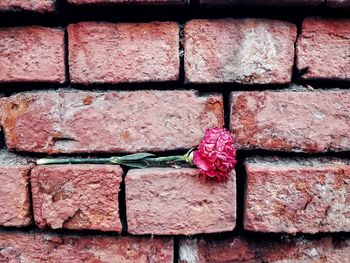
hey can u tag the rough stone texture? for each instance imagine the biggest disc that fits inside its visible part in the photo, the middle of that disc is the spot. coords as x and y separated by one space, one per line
300 121
32 54
265 249
248 51
77 196
169 201
41 248
14 192
292 196
323 49
73 122
151 2
338 3
41 6
263 2
114 53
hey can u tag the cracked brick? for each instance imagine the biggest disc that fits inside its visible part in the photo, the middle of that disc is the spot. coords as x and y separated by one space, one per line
297 195
14 190
123 52
168 201
128 121
291 120
77 196
41 6
32 54
47 247
265 249
247 51
323 49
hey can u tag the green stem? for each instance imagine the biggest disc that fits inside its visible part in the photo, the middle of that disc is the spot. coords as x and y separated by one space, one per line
175 158
73 161
137 160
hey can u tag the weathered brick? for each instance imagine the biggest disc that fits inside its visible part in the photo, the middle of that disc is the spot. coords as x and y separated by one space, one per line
32 54
291 196
42 248
297 121
323 49
265 249
263 2
114 53
338 3
77 196
245 51
41 6
138 2
14 192
73 122
169 201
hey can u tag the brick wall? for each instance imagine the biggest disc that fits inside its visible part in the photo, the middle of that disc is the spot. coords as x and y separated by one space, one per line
111 77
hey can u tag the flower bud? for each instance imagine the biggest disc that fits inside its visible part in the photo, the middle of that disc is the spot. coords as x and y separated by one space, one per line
216 154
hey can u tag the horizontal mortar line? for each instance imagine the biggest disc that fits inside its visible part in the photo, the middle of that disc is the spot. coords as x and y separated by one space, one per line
97 233
18 19
11 89
240 153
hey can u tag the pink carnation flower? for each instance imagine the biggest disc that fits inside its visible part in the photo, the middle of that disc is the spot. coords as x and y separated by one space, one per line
216 154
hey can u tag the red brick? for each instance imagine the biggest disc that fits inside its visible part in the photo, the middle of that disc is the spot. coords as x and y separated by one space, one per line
73 122
338 3
169 201
297 121
323 49
14 192
41 6
265 249
292 196
42 248
77 196
114 53
263 2
249 51
141 2
32 54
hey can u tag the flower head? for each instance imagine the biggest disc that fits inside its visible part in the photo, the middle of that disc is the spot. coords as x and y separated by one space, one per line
216 154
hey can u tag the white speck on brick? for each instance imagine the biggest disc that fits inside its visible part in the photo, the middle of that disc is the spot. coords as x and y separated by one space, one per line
189 251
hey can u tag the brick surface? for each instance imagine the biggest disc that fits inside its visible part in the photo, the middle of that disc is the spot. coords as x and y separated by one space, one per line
248 51
292 196
297 121
42 248
265 249
73 122
323 49
263 2
338 3
41 6
148 2
32 54
77 196
14 192
168 201
114 53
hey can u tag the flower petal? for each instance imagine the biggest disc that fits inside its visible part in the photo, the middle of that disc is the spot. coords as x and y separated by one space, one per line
200 162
